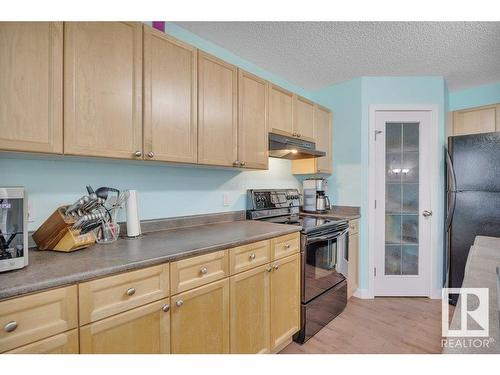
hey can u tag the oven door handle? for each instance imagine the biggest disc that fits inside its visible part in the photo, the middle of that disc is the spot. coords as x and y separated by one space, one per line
328 237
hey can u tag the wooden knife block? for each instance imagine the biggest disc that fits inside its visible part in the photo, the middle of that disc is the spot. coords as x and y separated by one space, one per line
56 233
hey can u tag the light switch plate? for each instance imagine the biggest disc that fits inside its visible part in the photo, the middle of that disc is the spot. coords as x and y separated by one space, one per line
226 200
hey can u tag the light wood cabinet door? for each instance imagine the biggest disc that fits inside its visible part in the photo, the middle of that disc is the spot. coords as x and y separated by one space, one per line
352 267
143 330
64 343
33 317
250 311
200 320
31 58
304 118
170 98
324 139
280 110
252 121
285 299
217 111
477 120
103 89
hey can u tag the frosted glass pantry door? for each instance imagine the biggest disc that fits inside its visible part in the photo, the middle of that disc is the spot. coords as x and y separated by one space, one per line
402 200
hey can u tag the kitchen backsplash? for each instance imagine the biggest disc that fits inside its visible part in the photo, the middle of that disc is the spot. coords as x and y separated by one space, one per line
163 190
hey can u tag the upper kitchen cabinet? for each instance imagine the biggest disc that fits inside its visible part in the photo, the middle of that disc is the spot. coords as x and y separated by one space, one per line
31 58
324 140
170 98
303 126
280 110
217 111
103 89
477 120
252 121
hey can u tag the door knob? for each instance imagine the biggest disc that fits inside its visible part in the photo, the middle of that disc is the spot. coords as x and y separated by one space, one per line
165 307
130 291
151 154
426 213
138 154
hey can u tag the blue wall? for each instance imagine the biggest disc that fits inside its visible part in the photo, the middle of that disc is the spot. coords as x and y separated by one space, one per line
474 97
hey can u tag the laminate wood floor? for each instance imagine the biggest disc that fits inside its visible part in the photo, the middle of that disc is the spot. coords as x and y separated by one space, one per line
380 325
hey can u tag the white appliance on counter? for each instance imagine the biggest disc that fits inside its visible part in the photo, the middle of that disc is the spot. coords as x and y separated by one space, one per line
13 228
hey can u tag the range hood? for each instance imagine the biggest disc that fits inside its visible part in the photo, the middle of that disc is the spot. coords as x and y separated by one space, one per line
283 147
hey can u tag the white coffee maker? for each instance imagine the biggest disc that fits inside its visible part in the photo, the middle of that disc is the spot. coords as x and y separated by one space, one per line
315 195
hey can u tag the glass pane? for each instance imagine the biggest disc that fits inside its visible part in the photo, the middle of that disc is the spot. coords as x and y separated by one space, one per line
393 198
410 260
410 198
393 260
393 137
393 229
401 193
410 229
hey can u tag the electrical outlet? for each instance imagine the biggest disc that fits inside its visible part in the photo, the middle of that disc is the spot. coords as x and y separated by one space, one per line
226 200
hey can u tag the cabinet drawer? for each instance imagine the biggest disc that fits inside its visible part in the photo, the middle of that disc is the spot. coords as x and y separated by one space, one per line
285 245
27 319
112 295
245 257
353 227
64 343
192 272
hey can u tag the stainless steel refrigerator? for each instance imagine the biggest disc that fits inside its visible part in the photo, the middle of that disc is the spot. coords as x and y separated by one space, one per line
472 199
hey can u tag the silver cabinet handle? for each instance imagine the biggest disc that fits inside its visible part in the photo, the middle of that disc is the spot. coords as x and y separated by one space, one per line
252 256
165 307
426 213
151 154
130 291
242 163
10 326
269 269
236 163
138 154
204 270
276 266
287 246
179 303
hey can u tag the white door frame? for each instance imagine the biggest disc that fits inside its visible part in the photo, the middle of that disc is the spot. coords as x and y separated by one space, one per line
434 150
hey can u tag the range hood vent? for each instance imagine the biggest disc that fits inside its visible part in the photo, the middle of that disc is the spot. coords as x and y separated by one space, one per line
283 147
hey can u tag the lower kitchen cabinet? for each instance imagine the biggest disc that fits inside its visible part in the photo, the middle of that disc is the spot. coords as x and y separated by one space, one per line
64 343
143 330
285 300
250 311
352 270
200 320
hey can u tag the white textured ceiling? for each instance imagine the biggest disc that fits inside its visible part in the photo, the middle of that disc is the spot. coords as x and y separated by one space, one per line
318 54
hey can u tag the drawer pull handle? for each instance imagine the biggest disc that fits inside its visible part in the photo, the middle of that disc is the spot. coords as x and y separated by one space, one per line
269 269
179 303
130 291
10 326
252 256
287 246
203 270
165 307
276 266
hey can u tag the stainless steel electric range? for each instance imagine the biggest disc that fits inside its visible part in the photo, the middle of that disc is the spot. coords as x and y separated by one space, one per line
324 255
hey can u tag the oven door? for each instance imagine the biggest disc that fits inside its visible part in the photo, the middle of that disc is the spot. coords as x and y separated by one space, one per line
323 263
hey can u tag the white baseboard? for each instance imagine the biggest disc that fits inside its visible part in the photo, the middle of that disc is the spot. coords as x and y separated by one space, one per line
436 294
363 294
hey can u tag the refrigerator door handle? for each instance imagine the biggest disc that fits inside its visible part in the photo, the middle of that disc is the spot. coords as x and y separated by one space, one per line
452 198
